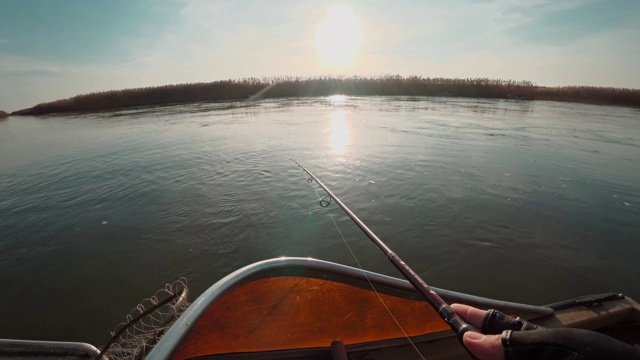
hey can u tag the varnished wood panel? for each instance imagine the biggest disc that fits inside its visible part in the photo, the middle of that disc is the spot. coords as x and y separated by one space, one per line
293 312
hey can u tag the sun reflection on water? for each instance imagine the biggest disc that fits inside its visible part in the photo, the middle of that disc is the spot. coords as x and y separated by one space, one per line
337 100
339 132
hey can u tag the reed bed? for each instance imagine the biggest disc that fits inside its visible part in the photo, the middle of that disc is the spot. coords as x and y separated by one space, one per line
288 86
590 95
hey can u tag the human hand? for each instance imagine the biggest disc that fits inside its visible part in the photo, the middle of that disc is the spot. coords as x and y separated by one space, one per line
484 347
504 337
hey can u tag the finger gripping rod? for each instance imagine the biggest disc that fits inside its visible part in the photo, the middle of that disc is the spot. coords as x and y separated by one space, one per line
455 322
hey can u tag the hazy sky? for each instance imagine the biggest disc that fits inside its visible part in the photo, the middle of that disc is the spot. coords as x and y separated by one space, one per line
56 49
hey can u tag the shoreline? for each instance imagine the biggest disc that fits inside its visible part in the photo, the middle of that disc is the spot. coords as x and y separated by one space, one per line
292 87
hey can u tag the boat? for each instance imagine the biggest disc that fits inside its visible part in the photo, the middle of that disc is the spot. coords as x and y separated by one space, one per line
304 308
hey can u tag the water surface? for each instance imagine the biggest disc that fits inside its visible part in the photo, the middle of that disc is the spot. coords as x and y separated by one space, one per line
524 201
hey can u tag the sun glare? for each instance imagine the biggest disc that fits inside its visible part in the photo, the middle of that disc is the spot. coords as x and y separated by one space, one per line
337 100
339 37
339 132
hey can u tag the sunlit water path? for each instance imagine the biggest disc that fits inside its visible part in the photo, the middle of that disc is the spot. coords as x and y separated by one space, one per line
524 201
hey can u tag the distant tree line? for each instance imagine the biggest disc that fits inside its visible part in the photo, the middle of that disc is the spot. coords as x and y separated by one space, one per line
590 95
287 86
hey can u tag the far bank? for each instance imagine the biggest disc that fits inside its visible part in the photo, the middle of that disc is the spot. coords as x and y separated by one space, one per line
290 87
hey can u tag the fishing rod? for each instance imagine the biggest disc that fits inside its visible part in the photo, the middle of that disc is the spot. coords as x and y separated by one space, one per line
455 322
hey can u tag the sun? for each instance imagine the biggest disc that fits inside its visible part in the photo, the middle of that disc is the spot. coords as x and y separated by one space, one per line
338 37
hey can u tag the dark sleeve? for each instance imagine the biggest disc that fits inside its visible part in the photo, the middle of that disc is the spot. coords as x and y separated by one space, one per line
556 344
565 343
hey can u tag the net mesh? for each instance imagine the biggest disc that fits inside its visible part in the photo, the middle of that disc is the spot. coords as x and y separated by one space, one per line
147 323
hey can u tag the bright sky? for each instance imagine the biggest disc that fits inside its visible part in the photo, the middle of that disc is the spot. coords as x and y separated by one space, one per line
56 49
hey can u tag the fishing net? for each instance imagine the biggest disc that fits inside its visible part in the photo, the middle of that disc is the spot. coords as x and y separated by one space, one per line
147 323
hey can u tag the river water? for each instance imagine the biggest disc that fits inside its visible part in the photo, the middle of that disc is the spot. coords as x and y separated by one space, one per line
533 202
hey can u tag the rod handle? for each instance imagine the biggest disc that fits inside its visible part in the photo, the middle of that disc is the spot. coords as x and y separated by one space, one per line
459 326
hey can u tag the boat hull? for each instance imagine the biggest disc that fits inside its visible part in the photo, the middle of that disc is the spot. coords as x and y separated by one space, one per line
296 308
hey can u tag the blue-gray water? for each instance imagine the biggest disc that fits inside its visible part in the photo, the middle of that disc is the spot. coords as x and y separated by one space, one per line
525 201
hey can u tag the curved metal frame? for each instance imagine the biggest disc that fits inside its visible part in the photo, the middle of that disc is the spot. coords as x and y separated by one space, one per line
308 267
36 348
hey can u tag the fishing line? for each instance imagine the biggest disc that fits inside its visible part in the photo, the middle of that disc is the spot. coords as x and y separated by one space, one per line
325 203
446 313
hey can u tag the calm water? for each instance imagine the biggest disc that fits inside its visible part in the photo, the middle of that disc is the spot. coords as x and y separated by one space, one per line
530 202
